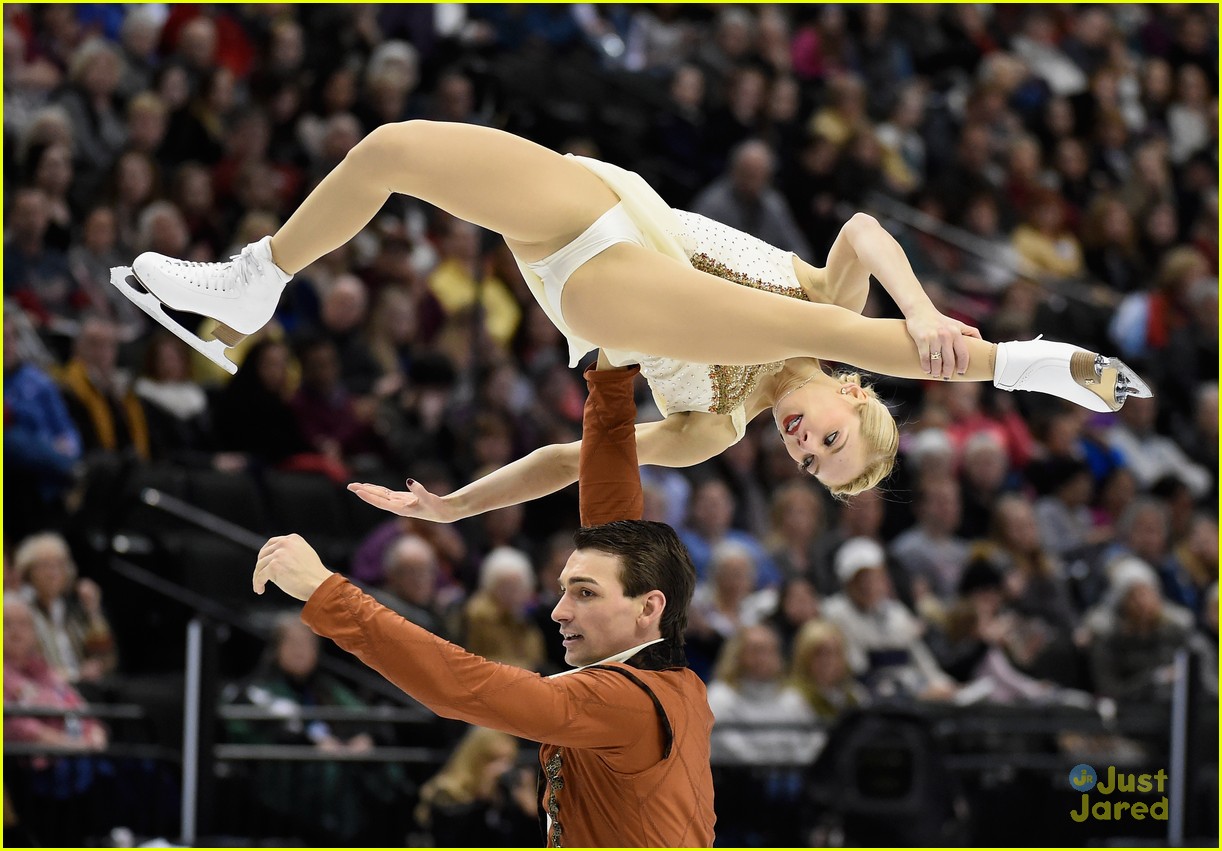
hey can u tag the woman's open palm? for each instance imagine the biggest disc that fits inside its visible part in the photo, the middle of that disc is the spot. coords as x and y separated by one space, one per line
416 501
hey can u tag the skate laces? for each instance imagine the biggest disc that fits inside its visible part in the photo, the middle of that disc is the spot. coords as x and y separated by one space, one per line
244 268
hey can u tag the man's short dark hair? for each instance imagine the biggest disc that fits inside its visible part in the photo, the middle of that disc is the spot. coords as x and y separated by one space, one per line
651 558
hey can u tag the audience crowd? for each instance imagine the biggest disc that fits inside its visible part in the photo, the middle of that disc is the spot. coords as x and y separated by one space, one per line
1056 168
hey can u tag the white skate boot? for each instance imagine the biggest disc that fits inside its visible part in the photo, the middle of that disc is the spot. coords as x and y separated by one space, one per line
241 294
1092 381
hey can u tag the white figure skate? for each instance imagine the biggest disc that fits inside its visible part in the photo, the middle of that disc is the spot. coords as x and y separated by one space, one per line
241 295
1093 381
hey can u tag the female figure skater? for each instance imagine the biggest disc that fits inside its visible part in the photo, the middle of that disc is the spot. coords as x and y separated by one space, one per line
723 325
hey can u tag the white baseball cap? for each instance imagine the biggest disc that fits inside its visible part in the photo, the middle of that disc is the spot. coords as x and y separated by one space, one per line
857 554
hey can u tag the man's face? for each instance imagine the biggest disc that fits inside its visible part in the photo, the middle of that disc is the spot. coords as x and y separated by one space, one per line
595 617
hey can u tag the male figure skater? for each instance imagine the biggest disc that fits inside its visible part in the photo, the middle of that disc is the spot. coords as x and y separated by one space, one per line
625 734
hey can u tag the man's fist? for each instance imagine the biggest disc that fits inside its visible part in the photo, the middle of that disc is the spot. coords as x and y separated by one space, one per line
292 564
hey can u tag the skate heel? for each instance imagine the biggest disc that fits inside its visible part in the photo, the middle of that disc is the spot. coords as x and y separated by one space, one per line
1108 378
228 336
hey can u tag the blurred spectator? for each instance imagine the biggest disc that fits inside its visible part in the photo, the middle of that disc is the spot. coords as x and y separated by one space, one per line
710 512
343 313
1132 656
930 553
480 798
91 260
1193 567
1188 116
882 638
820 671
495 620
745 199
747 692
99 394
798 601
41 443
658 38
51 171
92 107
319 801
252 413
984 477
1067 527
134 185
175 407
982 638
1046 246
63 783
1149 455
1034 583
36 274
796 539
72 630
337 424
1110 239
412 582
465 288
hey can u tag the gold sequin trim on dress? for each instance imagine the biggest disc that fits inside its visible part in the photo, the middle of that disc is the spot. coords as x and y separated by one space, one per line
733 384
705 263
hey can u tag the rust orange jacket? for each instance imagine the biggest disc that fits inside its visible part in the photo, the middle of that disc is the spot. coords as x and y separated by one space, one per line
625 745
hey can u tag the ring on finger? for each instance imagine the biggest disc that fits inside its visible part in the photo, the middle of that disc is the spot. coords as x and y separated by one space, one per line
935 356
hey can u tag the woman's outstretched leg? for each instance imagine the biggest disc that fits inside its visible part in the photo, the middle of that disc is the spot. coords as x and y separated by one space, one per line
523 191
535 198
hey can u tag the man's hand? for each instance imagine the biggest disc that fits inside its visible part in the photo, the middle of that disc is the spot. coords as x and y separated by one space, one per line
292 564
416 501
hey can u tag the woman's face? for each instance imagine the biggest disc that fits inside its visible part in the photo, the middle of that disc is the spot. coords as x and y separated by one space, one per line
273 368
170 362
760 658
800 516
100 230
820 425
49 574
1019 529
734 578
135 179
827 665
54 173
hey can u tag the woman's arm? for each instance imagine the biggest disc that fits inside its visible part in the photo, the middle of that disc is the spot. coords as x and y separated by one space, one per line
864 248
680 440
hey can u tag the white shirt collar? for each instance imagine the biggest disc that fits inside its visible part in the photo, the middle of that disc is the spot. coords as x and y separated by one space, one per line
618 657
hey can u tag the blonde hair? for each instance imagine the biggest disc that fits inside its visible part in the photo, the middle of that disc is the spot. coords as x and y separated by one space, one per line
813 635
881 436
35 547
459 779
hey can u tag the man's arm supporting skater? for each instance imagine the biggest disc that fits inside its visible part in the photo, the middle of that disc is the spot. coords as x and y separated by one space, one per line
635 711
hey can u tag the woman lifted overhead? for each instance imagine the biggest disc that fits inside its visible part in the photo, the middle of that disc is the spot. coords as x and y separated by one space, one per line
723 325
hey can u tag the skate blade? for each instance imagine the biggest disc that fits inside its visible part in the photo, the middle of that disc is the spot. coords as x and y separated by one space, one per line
126 282
1108 378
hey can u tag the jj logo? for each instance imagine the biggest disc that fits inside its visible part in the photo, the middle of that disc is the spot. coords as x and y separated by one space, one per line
1083 778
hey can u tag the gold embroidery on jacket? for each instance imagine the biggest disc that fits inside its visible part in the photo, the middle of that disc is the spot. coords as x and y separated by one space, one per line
555 783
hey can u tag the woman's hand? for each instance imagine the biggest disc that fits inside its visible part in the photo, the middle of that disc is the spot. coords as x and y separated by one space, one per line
416 501
939 339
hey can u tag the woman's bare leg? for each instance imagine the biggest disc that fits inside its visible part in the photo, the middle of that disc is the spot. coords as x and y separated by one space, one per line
635 299
501 182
